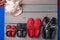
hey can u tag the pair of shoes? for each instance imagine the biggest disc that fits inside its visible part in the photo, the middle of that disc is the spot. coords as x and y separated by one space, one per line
10 31
21 30
49 27
33 27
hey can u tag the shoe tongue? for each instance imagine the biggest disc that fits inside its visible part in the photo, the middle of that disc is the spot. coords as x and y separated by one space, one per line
19 25
30 22
37 23
53 21
24 26
45 20
13 27
8 26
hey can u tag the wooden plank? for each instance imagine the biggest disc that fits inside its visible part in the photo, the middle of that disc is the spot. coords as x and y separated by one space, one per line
39 1
39 7
24 17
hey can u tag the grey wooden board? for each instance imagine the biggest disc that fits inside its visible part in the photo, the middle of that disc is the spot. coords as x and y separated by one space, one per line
39 7
24 17
39 1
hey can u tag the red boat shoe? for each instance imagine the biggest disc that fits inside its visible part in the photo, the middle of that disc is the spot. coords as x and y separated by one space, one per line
30 29
37 26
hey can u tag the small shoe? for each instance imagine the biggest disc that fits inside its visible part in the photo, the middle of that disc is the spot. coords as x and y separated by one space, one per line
24 30
8 30
21 30
13 31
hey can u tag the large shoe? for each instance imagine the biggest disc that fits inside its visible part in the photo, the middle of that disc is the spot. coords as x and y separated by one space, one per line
46 27
8 30
37 27
30 27
52 30
21 30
